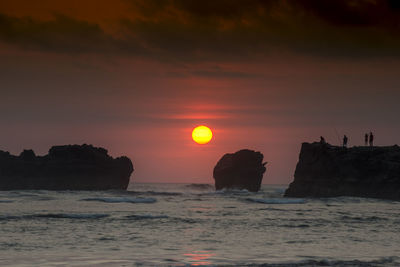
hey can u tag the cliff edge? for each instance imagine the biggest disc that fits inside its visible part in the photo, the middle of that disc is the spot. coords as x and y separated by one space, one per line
241 170
71 167
324 170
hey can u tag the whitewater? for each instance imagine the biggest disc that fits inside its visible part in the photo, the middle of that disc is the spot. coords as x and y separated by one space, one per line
194 225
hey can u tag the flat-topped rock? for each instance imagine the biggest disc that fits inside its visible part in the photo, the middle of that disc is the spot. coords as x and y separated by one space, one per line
70 167
241 170
324 170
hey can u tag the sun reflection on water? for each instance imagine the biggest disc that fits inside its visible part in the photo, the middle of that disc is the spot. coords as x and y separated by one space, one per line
198 258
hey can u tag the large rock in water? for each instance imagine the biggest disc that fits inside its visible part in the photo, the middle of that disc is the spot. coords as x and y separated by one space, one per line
71 167
241 170
329 171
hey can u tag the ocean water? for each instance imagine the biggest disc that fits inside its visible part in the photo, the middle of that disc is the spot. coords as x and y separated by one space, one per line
192 225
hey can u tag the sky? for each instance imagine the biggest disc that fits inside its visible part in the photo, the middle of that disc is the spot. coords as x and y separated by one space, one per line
135 77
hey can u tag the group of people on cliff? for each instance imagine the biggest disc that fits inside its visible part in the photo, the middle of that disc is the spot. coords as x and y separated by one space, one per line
368 140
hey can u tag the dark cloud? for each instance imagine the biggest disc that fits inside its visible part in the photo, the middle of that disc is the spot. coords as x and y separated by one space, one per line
61 34
189 30
341 12
64 34
233 9
250 29
214 72
361 13
394 4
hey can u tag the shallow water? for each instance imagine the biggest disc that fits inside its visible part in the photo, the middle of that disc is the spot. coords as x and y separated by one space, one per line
181 224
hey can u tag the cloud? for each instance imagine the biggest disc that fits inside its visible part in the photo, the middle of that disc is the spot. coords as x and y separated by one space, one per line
61 34
219 73
361 13
187 30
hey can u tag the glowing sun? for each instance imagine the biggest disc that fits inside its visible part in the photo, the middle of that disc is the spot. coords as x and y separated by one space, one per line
202 134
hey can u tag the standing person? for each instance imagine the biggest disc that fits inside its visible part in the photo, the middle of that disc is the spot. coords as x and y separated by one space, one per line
366 139
345 139
322 140
371 139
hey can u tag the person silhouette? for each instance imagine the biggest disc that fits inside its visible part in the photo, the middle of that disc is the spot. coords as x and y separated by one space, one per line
371 139
322 140
366 139
345 139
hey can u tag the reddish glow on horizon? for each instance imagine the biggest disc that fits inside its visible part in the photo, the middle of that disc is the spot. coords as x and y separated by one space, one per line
202 134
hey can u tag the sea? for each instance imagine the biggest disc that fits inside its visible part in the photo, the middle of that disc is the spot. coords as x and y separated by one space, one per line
194 225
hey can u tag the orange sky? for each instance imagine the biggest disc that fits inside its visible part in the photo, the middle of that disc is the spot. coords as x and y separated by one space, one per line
136 76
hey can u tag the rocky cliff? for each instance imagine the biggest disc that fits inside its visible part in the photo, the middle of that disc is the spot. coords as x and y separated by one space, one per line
71 167
241 170
329 171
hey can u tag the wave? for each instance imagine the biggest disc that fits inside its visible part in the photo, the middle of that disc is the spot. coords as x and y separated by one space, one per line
295 225
146 217
35 196
231 191
6 201
277 200
354 200
153 193
200 186
163 193
386 261
362 219
121 199
54 216
177 220
186 220
73 215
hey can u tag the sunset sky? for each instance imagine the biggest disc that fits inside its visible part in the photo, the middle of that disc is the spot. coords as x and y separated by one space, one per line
136 77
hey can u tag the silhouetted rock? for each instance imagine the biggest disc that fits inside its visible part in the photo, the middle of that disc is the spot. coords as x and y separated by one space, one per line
71 167
241 170
27 155
329 171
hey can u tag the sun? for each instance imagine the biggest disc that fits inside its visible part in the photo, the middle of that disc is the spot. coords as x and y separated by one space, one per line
202 134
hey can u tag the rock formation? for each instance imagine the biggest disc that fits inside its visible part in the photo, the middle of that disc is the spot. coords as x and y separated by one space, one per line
241 170
71 167
329 171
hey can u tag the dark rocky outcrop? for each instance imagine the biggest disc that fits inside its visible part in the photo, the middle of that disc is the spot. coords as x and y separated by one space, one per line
241 170
329 171
71 167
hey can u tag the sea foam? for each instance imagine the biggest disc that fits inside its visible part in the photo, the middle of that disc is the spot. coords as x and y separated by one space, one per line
121 199
277 200
54 216
146 217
